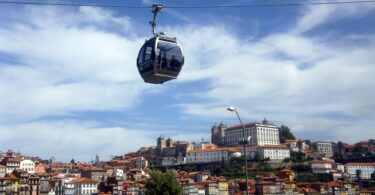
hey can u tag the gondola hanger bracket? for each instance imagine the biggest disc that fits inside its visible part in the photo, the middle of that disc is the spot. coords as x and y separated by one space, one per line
155 9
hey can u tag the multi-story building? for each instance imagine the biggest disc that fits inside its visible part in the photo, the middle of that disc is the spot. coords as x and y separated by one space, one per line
264 133
365 170
171 152
11 162
296 145
211 187
5 185
324 148
22 177
58 186
84 186
27 165
267 187
190 189
218 134
223 187
203 176
130 188
68 186
44 184
94 173
33 182
275 153
3 170
321 166
2 154
210 155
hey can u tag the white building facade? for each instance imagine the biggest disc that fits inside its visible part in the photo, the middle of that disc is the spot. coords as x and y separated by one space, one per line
366 170
321 166
275 153
84 186
324 148
27 165
209 155
168 161
264 133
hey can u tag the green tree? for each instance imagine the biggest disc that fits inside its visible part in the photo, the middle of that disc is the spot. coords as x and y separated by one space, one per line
341 149
301 168
297 156
72 161
285 133
163 184
358 150
314 177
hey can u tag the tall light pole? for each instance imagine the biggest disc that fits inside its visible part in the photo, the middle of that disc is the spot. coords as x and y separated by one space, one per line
232 109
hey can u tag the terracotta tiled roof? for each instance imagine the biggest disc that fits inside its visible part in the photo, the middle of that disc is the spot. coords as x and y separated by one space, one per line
12 176
360 164
232 149
209 145
274 146
84 180
92 169
127 182
294 140
320 161
265 183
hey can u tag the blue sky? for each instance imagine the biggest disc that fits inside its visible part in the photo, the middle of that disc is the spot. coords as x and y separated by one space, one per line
69 86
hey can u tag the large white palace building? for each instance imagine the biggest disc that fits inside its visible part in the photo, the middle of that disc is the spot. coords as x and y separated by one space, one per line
260 134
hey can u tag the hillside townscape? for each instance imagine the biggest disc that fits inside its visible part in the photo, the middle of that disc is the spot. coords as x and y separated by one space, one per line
277 163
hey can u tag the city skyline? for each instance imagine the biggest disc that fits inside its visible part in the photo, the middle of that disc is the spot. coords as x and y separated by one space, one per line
70 87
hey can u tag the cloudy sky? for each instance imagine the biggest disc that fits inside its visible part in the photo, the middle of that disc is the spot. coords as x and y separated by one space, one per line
69 86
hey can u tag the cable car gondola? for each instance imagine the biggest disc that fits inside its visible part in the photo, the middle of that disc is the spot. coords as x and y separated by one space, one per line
160 58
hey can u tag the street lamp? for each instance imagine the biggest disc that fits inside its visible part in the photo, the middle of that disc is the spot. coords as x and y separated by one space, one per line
232 109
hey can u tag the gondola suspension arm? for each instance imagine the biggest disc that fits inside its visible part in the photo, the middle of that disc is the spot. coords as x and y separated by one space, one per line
155 9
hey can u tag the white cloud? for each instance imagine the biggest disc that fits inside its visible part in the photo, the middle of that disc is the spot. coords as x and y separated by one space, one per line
303 81
73 139
315 16
65 66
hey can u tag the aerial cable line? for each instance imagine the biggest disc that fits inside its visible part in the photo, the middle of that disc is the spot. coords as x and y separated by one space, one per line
187 6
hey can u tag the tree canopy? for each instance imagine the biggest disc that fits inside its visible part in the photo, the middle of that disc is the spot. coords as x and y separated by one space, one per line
163 184
285 134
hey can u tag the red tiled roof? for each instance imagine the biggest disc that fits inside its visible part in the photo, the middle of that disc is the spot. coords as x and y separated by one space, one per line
209 145
320 161
294 140
84 180
214 150
92 169
274 146
360 164
127 182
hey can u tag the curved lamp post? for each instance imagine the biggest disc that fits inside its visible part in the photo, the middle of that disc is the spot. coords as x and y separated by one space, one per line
232 109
